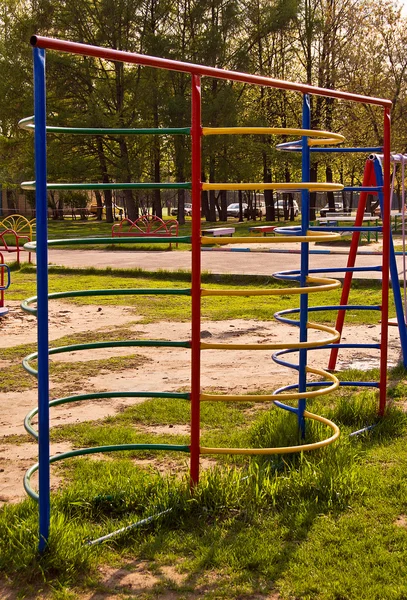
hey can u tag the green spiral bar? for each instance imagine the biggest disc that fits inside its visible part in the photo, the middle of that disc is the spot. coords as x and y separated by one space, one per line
31 185
29 125
185 239
84 451
97 396
25 305
95 345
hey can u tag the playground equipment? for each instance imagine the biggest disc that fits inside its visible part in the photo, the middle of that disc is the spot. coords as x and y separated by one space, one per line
373 179
146 226
399 159
308 282
3 285
17 230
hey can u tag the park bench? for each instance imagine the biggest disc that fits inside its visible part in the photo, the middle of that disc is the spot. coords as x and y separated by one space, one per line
335 221
146 226
15 231
263 229
219 231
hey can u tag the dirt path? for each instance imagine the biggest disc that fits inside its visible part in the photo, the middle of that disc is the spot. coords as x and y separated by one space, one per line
232 371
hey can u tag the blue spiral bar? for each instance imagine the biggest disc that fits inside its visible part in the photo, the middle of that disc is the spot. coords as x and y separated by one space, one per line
292 229
362 188
377 165
378 149
276 356
296 147
291 409
304 262
346 228
289 311
294 275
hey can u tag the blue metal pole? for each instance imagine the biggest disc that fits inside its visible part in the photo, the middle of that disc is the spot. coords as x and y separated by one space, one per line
42 294
306 167
395 283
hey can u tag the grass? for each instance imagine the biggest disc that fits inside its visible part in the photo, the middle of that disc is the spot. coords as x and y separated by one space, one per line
323 525
177 308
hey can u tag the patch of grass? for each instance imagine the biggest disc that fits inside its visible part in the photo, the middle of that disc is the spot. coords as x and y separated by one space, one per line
161 411
15 379
98 434
87 337
69 374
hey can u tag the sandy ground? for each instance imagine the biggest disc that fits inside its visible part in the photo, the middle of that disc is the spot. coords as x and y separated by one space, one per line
167 369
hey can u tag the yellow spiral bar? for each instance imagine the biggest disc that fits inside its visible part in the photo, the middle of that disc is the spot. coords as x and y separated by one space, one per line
327 284
284 396
318 284
323 137
334 337
294 186
284 449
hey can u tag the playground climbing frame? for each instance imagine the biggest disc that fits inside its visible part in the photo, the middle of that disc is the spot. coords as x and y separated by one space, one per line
309 283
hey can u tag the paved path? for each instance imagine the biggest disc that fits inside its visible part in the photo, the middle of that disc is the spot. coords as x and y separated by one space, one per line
255 262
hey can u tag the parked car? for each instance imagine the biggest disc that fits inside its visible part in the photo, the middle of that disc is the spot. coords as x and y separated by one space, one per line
338 208
233 209
187 210
279 208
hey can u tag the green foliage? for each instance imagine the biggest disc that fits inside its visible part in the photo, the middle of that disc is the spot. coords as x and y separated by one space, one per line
323 44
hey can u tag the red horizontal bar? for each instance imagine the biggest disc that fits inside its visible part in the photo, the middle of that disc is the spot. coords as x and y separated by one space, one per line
174 65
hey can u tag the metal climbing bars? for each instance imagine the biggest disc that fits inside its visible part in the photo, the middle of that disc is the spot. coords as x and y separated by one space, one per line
308 282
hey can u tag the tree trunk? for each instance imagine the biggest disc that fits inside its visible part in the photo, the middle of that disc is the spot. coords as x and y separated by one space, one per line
330 195
268 194
157 208
223 206
240 206
125 171
180 175
99 205
105 178
212 204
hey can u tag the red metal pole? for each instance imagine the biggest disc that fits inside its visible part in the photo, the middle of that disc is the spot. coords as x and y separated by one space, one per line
175 65
196 135
368 179
385 263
